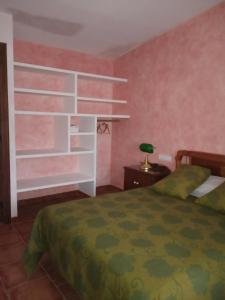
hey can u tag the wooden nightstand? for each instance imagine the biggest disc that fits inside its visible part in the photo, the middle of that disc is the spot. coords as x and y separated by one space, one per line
134 177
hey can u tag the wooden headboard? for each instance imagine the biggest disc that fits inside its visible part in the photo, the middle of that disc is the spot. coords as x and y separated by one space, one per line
215 162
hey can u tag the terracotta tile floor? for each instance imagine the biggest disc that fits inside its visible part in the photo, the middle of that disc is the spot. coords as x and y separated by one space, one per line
46 283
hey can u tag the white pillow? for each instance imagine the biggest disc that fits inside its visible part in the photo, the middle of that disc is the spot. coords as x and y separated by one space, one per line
210 184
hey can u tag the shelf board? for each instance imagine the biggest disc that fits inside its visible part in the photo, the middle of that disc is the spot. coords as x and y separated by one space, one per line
40 113
51 181
21 154
99 116
83 133
102 116
112 117
83 75
19 65
42 92
81 150
91 99
39 153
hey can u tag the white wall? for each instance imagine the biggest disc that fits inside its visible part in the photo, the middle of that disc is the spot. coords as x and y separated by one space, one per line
6 36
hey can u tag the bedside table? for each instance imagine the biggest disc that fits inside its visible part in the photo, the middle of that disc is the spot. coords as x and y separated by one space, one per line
134 177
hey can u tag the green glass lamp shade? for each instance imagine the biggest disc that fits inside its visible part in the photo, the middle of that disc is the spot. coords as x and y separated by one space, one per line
149 148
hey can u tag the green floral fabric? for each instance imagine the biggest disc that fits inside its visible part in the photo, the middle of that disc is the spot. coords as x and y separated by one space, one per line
133 245
215 199
182 181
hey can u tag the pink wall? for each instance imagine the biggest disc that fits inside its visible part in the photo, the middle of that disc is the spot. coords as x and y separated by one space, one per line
176 92
60 58
34 132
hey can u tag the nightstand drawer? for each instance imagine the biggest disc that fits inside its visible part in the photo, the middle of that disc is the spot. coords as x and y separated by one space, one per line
135 178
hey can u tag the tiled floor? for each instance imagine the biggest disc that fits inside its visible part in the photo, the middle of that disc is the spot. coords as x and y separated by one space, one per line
46 283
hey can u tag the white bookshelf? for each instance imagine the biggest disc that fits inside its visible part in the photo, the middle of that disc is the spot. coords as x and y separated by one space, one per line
67 143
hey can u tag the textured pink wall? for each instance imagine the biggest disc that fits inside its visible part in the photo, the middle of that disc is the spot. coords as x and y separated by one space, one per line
176 92
32 132
96 89
60 58
39 167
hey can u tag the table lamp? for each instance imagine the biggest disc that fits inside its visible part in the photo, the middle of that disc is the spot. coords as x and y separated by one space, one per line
147 148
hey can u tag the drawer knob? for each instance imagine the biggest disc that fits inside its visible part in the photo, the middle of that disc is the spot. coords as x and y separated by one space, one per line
135 182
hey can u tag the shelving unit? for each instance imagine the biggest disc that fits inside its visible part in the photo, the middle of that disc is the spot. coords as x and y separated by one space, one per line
63 143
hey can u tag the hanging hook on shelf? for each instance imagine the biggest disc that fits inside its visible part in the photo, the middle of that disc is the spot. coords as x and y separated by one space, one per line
99 129
106 128
103 127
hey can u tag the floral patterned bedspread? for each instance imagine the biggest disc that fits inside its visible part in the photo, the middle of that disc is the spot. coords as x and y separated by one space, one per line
133 245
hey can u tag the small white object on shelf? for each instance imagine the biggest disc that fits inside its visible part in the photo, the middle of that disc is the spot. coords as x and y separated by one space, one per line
74 128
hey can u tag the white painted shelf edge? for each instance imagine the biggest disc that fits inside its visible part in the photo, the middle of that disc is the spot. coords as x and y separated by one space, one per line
91 99
52 181
80 150
42 92
69 72
100 77
99 116
50 153
40 113
83 133
103 116
112 117
43 68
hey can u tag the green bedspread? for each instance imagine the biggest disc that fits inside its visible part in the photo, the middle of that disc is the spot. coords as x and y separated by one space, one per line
133 245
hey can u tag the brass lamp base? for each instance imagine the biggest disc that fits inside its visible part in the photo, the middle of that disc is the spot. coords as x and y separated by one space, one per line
145 166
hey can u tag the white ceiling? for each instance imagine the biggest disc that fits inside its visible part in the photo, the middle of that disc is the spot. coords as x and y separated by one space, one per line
106 28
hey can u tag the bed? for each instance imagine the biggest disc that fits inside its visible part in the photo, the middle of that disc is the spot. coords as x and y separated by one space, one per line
137 244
